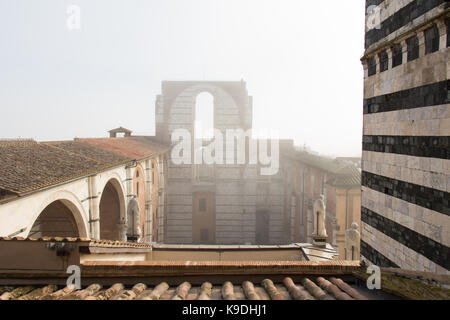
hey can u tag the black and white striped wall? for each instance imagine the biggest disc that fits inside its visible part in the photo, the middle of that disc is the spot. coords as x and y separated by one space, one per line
406 144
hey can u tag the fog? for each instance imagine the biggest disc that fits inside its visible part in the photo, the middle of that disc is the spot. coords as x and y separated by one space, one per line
300 60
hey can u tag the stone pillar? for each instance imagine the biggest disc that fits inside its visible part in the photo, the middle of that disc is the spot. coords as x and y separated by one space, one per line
442 26
161 199
128 189
390 58
352 243
148 225
94 209
377 63
421 37
404 51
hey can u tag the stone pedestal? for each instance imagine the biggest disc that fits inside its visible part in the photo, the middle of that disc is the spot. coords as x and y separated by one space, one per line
320 241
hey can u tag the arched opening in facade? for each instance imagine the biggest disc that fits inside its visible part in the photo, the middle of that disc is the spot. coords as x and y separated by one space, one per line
56 220
204 116
133 221
110 220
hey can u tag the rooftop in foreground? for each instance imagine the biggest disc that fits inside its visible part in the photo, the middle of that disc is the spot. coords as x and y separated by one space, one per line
35 269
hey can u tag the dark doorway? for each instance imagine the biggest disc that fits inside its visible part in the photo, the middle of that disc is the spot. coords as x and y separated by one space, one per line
109 213
262 227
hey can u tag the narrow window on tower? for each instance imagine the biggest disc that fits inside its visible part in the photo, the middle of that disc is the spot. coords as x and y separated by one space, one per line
204 116
372 65
431 40
384 61
397 55
413 48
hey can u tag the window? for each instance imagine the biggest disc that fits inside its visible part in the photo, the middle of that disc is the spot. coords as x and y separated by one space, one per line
397 55
384 61
137 173
413 48
137 189
153 177
202 205
204 116
431 40
372 65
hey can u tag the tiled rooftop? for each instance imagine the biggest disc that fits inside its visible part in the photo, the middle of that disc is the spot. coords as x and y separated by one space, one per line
347 176
308 288
29 166
134 147
90 242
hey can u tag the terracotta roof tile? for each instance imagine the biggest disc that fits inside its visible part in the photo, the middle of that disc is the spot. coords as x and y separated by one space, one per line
28 166
305 289
32 166
135 148
347 176
91 242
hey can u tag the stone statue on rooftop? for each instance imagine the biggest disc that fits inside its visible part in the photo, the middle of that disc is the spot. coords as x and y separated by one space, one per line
352 242
319 217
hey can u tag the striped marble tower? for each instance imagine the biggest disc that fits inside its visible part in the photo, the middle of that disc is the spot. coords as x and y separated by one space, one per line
406 145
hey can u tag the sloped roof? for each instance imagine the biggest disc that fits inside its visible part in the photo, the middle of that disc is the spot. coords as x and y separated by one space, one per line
135 147
310 288
120 129
323 163
348 176
30 166
27 165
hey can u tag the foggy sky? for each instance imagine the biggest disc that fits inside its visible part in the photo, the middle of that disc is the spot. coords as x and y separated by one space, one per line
300 60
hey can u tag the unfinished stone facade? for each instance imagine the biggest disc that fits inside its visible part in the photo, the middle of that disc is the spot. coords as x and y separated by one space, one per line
220 203
406 144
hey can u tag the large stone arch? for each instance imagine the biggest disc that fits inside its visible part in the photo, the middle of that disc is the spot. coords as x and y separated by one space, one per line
112 210
223 100
175 108
69 206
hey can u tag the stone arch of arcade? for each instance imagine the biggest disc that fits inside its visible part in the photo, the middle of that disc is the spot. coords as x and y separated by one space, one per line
112 211
60 216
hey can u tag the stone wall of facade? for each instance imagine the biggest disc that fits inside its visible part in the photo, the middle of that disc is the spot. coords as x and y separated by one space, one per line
406 144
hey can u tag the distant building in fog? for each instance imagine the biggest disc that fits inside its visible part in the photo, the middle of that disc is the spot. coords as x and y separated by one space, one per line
406 144
235 204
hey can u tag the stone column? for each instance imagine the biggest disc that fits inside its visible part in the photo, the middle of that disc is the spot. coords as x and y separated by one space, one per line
94 209
352 243
421 37
390 58
129 188
148 225
442 26
404 51
161 199
377 63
